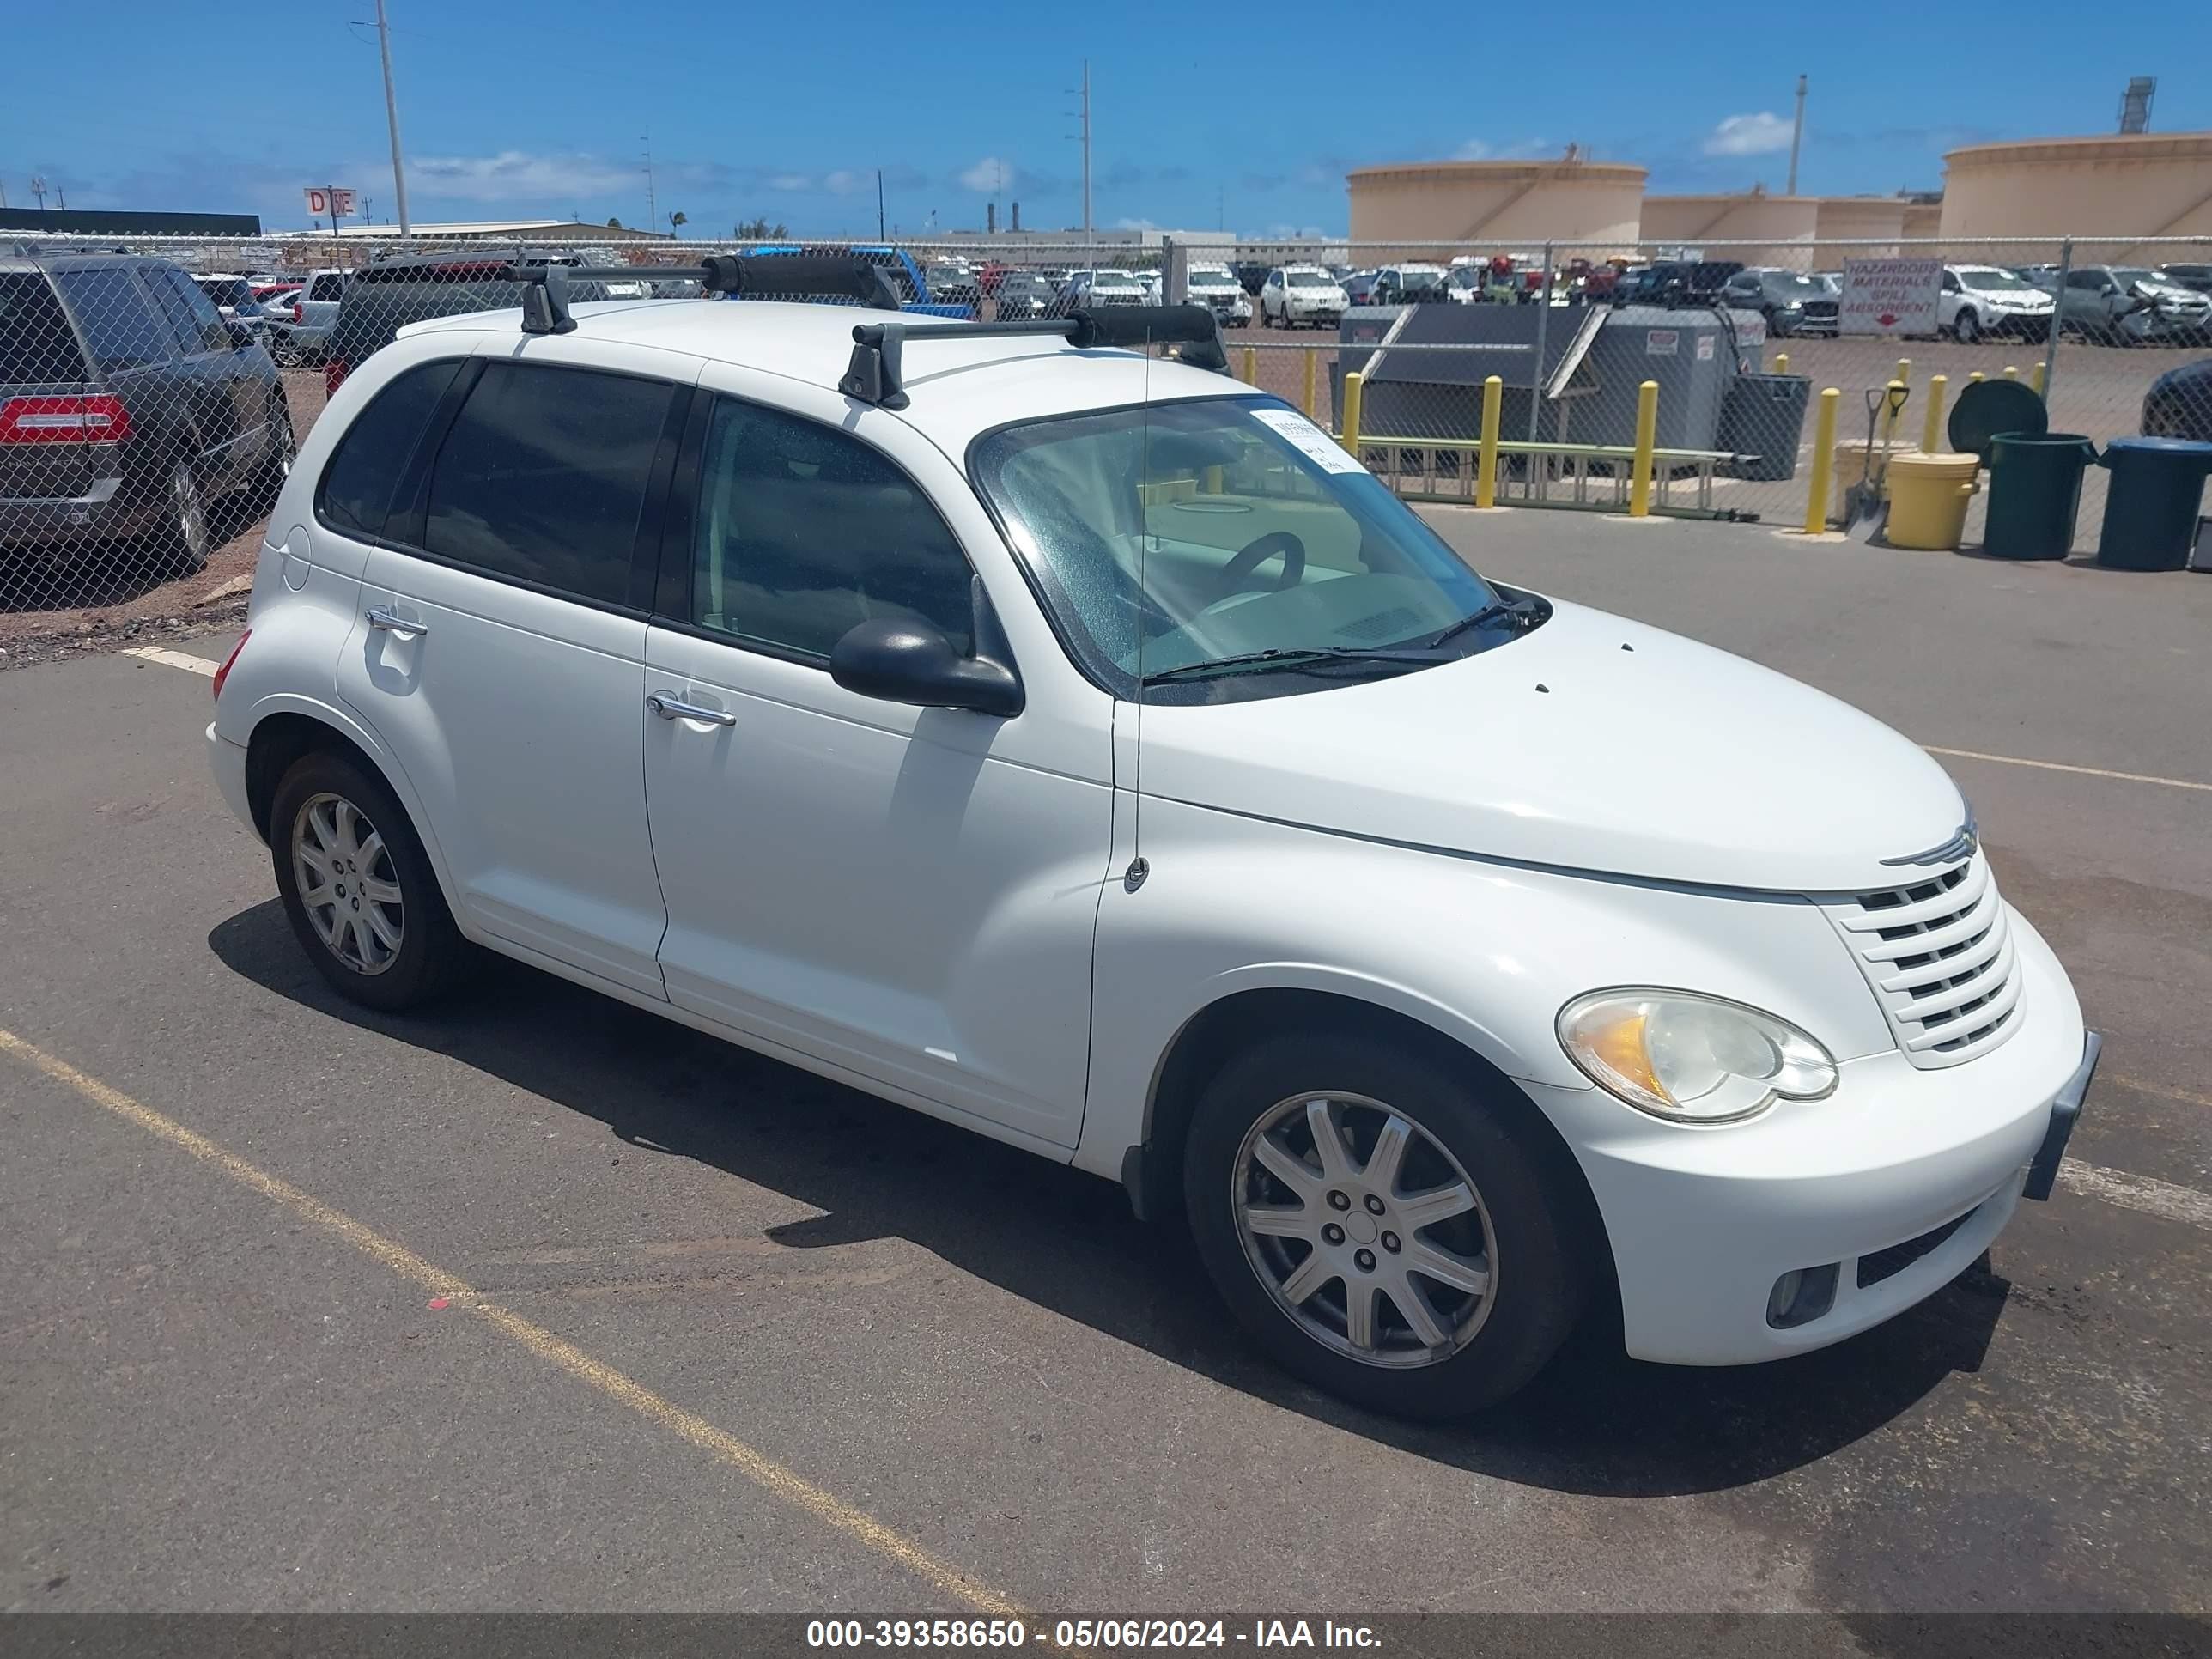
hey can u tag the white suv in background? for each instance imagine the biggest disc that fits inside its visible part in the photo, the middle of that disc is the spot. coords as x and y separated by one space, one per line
1978 299
705 656
1297 295
1216 287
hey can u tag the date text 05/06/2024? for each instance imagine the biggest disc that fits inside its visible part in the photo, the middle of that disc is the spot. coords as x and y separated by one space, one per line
1121 1634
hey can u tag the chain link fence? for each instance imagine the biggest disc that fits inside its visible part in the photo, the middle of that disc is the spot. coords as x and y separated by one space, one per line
153 392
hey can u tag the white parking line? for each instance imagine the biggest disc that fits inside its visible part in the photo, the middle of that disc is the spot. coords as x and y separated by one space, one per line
2133 1192
168 659
2059 766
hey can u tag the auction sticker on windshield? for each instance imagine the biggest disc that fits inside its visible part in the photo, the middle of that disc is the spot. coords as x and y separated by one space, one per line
1313 443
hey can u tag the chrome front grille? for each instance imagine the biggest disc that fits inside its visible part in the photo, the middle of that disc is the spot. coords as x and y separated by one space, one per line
1939 954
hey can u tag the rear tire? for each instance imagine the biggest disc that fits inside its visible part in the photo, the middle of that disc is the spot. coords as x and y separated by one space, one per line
188 534
357 886
1513 1280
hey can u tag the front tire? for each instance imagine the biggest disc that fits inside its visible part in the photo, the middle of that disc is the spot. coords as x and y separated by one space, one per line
1967 327
1377 1223
357 886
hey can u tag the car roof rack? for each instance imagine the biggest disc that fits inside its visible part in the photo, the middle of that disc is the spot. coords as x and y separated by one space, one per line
791 275
873 375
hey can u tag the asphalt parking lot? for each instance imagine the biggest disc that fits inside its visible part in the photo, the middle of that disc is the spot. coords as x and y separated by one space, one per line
536 1301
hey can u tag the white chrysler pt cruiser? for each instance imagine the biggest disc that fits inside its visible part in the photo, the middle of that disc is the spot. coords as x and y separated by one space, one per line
1082 748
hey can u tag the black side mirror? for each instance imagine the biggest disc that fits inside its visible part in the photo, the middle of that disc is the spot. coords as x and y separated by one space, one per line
241 336
912 662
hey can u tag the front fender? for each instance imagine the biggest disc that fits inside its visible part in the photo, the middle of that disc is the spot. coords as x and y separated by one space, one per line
1485 953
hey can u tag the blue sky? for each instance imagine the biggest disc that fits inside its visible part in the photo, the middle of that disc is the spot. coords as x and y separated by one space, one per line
787 111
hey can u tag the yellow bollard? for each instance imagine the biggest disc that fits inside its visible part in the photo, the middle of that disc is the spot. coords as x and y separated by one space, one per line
1976 378
1824 461
1312 357
1485 468
2035 378
1351 414
1903 370
2011 371
1251 366
1931 434
1781 362
1213 485
1647 439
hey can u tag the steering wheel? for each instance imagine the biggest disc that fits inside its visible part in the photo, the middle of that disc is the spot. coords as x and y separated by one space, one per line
1253 554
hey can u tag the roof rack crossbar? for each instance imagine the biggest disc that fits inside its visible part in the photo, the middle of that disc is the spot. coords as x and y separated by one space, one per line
545 286
873 375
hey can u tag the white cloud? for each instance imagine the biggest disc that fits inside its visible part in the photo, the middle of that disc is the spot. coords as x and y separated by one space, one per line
517 175
1748 135
843 182
1473 150
790 181
1134 224
990 174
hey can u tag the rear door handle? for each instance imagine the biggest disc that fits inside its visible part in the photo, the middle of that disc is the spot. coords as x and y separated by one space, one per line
405 626
670 707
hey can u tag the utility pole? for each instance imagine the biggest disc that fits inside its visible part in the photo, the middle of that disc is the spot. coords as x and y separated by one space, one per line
652 204
879 206
392 119
1796 138
38 189
1083 115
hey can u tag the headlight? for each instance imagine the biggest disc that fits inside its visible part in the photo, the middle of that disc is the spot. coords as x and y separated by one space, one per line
1691 1059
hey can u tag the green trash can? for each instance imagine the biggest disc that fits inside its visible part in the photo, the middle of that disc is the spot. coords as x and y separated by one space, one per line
2151 504
2035 492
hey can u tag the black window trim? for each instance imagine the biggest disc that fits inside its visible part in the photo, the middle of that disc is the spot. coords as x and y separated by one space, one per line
414 489
671 590
100 370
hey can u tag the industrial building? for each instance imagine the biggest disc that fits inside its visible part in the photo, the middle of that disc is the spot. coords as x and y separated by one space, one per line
2123 185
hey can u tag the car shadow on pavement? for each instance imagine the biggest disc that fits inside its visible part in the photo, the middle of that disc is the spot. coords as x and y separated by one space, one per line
1594 1422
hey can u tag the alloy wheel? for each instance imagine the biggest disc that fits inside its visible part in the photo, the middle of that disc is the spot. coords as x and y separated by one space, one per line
188 511
348 883
1365 1229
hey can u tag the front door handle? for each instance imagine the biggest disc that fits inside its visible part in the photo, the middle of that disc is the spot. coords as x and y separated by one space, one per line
405 626
670 707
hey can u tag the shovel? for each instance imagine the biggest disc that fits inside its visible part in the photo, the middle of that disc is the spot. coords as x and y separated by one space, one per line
1866 513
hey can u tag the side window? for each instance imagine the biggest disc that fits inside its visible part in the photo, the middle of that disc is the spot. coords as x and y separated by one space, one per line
329 285
371 459
118 323
198 324
2091 280
802 532
544 475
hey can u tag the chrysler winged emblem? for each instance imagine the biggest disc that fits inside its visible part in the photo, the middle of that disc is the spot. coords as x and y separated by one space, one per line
1960 846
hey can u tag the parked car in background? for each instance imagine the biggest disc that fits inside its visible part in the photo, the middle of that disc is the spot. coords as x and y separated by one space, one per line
2198 278
129 407
2132 305
1252 276
1790 301
1359 286
1679 282
1215 287
302 338
2179 403
953 283
390 292
233 297
1978 299
1297 295
1019 294
1104 288
1154 283
1409 284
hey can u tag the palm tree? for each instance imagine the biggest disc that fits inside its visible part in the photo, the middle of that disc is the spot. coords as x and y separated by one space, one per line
678 221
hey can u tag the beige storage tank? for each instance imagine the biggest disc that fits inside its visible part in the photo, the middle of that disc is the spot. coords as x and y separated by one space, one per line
1875 222
2123 186
1773 229
1431 208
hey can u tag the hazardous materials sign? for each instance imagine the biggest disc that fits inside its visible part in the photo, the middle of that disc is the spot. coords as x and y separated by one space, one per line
1890 296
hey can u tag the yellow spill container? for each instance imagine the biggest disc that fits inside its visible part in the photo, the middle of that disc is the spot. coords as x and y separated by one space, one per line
1928 497
1851 463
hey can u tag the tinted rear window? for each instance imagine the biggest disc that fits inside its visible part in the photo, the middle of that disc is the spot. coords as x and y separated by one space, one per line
36 345
125 333
372 456
543 476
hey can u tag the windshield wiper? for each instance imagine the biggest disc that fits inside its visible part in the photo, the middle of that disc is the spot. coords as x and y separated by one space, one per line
1522 611
1288 657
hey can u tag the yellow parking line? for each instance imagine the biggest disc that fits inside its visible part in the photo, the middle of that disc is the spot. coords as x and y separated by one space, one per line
2060 766
757 1467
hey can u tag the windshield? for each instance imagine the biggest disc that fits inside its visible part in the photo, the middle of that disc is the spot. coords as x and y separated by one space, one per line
1988 279
1788 281
1114 279
2128 276
1309 279
1209 275
1190 533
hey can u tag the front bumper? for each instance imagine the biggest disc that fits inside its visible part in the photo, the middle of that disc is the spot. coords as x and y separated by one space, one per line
1897 1182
